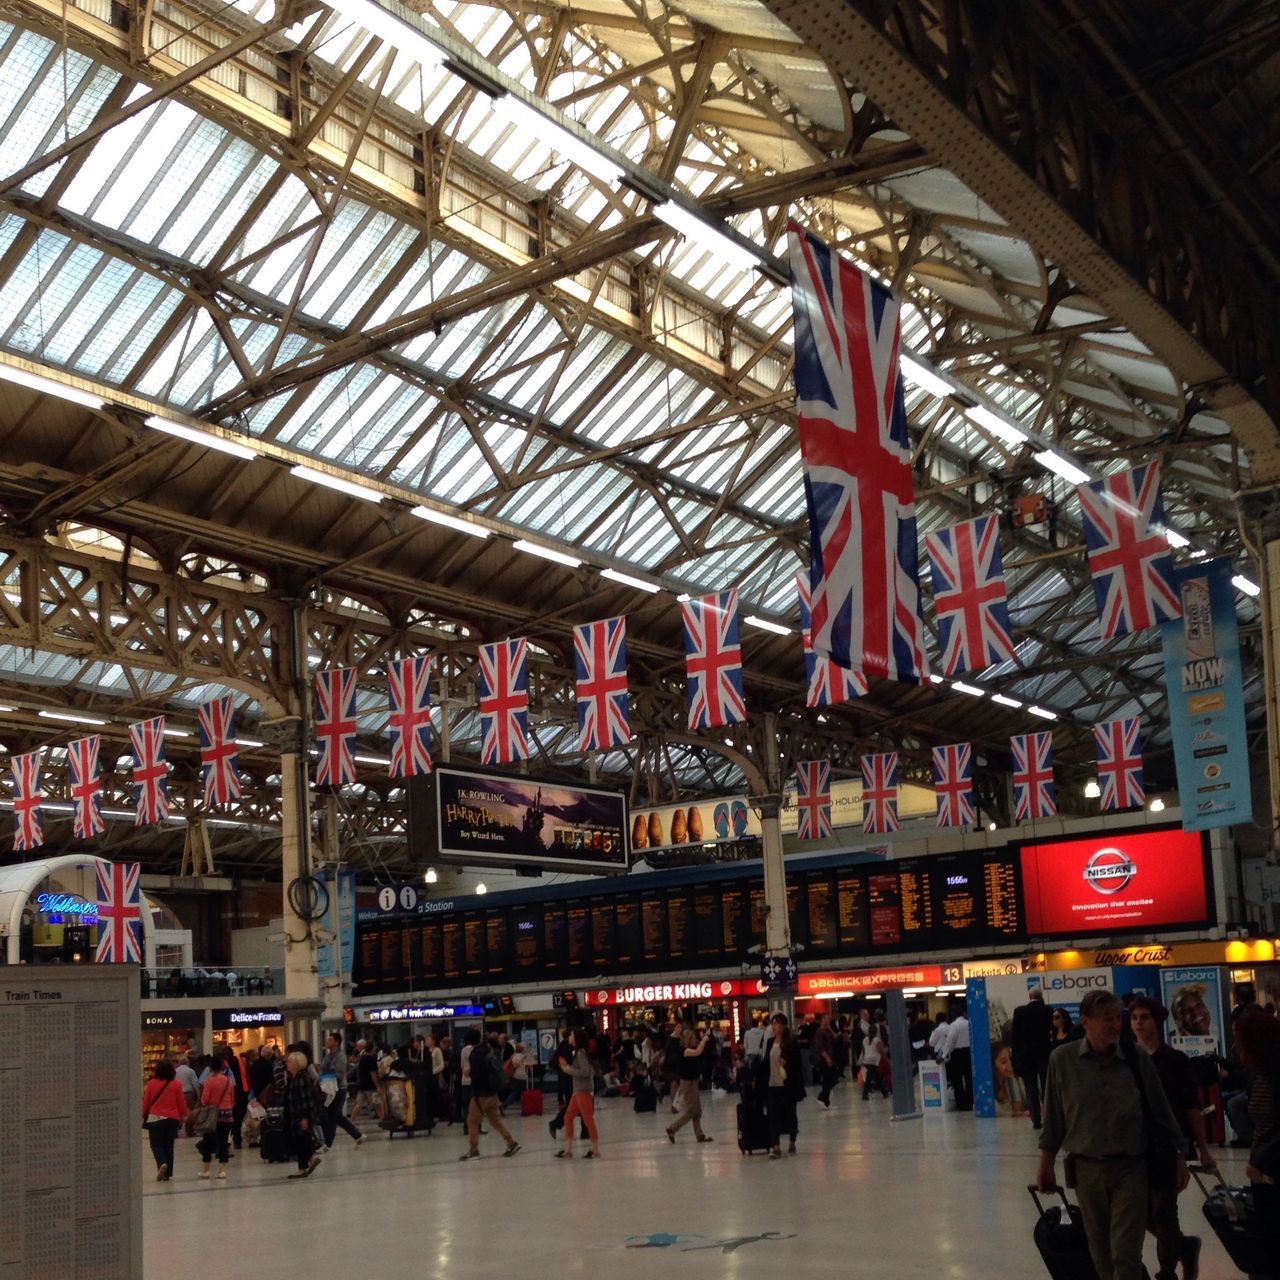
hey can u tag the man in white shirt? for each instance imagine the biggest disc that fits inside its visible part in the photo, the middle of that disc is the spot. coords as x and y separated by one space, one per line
753 1043
938 1040
960 1062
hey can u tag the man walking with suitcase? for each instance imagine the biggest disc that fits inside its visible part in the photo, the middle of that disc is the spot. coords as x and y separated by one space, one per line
1107 1109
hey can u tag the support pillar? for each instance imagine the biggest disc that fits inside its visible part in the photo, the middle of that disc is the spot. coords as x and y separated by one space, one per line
904 1081
1269 568
777 920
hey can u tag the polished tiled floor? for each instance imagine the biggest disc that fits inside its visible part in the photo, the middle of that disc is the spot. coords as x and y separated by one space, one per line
942 1198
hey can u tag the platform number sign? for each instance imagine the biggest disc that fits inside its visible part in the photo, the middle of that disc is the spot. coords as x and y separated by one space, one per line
397 898
952 974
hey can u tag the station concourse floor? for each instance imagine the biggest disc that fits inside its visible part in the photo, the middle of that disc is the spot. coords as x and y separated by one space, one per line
940 1198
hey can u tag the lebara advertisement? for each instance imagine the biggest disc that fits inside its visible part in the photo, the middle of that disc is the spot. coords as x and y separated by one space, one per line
519 820
1194 1000
1115 882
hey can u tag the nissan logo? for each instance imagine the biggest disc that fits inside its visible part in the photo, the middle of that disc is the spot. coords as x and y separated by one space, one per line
1109 871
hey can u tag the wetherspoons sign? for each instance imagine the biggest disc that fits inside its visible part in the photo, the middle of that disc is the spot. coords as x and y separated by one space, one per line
66 904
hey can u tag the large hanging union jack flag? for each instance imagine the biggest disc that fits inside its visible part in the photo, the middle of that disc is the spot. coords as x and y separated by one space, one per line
119 913
1033 793
713 660
813 799
504 702
969 595
1129 556
953 784
150 772
1119 747
28 826
600 658
218 750
852 424
85 775
880 793
336 726
409 682
826 685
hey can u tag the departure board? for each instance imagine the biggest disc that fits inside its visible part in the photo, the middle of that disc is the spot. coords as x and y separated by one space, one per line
579 935
909 907
630 941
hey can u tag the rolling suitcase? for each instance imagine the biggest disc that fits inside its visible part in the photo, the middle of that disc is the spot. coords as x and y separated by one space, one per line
1249 1234
1059 1235
753 1124
531 1102
273 1141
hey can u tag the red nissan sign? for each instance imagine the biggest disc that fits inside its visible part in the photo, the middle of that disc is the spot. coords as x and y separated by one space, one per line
1118 881
835 984
673 992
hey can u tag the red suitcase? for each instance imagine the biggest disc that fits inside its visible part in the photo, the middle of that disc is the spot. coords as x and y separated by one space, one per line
531 1102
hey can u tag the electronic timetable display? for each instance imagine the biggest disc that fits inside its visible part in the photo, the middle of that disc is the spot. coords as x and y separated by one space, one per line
958 900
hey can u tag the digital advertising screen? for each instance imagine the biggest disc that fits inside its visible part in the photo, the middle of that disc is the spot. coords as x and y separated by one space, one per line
1116 882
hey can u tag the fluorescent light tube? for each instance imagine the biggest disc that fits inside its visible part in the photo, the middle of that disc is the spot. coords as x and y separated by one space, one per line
387 26
352 488
4 710
76 718
547 553
999 427
1247 585
1042 713
935 678
447 521
50 387
1063 466
972 690
1005 701
249 742
920 375
371 759
1176 539
206 439
766 624
705 236
628 580
564 142
176 733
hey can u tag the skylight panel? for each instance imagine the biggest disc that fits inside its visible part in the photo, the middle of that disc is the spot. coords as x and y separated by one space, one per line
289 206
133 312
179 149
237 179
33 98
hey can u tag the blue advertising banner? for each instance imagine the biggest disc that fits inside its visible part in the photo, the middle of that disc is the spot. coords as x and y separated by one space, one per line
1206 699
333 959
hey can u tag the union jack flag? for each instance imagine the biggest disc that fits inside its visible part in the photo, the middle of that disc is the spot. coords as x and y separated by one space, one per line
953 784
852 424
504 702
218 750
880 793
826 684
969 595
150 772
409 680
1119 746
1129 557
85 776
336 726
28 826
1033 794
713 660
600 657
813 799
119 913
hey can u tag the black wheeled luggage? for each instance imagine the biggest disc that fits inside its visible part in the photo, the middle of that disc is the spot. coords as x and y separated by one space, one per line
273 1139
753 1123
1249 1234
1059 1235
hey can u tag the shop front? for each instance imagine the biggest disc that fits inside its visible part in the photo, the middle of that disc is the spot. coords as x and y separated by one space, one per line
171 1034
727 1003
243 1029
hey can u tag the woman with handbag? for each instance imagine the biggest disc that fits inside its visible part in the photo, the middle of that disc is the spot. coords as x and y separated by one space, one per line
781 1073
217 1104
164 1107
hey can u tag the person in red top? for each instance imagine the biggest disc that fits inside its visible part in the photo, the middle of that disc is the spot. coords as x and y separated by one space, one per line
220 1091
164 1108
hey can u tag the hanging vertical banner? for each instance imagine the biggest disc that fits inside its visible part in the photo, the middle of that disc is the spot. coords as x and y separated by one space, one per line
1206 699
333 959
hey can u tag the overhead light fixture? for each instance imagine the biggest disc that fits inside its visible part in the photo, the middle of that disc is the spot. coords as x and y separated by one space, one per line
50 387
999 427
1004 700
249 743
206 439
991 826
371 759
1156 805
70 718
1062 466
447 521
388 26
971 689
482 887
5 710
935 678
1176 539
1043 713
920 375
176 733
1247 585
1092 790
683 598
705 236
629 580
766 624
430 877
352 488
562 140
547 553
